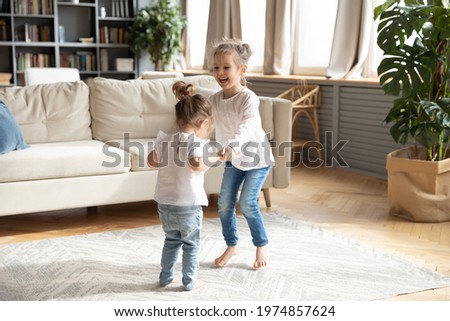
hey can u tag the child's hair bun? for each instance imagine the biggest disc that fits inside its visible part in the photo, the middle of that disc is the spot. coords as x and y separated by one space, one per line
181 90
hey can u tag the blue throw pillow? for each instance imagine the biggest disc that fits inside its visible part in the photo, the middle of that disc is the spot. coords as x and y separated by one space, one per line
10 135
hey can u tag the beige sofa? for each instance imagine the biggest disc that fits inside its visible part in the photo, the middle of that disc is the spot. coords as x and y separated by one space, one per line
89 142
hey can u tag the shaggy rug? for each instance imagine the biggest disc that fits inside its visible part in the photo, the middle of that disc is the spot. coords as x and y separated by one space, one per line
306 263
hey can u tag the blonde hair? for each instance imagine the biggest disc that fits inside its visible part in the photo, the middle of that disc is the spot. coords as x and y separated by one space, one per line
240 51
191 109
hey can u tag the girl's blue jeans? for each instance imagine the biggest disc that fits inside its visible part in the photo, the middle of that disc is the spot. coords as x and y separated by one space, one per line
182 225
251 181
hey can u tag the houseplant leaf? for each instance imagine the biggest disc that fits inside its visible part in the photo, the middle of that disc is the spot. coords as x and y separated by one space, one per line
408 68
398 24
402 114
438 111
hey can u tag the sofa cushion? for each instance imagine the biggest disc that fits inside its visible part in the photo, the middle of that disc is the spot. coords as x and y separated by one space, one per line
68 159
46 113
204 82
10 135
138 108
139 148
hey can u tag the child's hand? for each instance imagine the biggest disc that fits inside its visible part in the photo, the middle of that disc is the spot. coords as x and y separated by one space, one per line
222 154
228 153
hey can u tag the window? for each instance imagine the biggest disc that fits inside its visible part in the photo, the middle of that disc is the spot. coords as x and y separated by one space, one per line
253 16
197 15
314 36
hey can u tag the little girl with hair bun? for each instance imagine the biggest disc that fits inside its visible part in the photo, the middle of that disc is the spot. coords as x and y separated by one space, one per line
181 163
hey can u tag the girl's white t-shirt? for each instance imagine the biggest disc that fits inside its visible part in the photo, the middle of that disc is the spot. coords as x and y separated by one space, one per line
177 184
238 124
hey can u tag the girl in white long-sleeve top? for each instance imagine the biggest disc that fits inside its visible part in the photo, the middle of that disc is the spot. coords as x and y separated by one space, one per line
245 147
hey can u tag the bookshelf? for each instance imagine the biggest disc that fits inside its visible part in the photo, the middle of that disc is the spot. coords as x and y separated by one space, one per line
89 35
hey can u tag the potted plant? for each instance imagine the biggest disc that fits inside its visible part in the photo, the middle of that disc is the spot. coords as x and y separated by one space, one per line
415 38
157 29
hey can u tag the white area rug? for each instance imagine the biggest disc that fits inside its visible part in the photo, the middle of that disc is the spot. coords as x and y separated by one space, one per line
306 263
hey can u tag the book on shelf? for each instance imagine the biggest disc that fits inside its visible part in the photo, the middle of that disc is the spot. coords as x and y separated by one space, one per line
104 60
103 33
115 35
27 59
82 60
127 9
4 6
32 33
120 9
46 7
21 33
33 7
86 60
4 30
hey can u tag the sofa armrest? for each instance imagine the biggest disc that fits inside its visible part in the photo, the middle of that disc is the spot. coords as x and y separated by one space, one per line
280 136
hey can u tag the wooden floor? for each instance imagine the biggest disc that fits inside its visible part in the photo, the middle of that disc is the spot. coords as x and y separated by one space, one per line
339 200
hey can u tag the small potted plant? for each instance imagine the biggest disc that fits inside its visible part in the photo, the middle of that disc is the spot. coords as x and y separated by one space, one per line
415 39
157 30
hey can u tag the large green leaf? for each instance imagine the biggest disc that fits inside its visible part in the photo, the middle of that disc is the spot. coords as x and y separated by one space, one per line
407 69
403 114
383 7
398 24
400 131
438 112
427 134
441 21
445 3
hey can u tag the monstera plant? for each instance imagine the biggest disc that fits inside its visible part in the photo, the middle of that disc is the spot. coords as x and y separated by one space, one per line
415 38
157 30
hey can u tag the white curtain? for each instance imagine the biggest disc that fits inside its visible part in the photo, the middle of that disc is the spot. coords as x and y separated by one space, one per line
351 39
280 33
224 21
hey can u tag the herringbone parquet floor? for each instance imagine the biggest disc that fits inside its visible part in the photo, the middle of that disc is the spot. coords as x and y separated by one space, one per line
347 203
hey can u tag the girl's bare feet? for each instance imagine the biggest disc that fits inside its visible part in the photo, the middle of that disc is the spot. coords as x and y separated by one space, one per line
261 258
226 256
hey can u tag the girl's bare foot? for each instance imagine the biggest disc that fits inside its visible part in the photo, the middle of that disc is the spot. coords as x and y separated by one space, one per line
261 258
226 256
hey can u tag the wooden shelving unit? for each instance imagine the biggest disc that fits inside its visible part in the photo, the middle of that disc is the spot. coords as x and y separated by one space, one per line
47 33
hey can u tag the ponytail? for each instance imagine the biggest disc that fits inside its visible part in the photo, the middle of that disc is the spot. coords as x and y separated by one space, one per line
190 108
